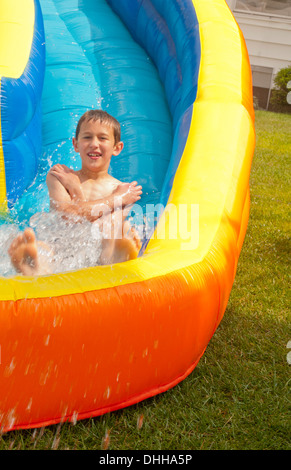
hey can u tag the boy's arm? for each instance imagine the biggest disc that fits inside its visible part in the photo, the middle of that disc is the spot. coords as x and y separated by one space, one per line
69 179
61 200
57 192
125 194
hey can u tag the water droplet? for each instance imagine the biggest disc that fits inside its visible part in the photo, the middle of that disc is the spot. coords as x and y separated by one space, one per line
29 404
9 369
74 418
139 423
46 340
106 440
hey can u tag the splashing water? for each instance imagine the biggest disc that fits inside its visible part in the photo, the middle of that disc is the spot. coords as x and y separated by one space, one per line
7 234
71 245
63 244
66 245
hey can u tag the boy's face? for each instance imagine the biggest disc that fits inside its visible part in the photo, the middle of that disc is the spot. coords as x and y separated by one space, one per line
96 146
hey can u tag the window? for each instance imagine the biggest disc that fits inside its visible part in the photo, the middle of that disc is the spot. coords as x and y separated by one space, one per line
269 7
262 84
262 76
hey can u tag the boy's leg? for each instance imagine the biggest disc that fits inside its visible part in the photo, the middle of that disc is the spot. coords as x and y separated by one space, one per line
24 255
127 247
120 240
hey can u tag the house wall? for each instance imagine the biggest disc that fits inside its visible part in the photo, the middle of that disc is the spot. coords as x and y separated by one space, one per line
268 40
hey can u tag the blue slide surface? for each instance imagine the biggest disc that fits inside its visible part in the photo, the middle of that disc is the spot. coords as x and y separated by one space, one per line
92 61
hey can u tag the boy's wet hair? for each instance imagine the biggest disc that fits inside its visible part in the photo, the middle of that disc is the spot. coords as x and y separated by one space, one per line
104 118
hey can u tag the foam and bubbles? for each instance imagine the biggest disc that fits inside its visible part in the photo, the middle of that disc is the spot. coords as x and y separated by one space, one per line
67 245
71 244
7 234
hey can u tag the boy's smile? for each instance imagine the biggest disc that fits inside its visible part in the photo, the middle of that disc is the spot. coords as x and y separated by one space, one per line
95 156
96 146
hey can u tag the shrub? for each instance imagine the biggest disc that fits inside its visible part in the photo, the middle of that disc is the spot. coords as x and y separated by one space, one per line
278 100
256 102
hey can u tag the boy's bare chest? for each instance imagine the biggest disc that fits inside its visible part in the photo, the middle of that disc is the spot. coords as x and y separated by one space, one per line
93 191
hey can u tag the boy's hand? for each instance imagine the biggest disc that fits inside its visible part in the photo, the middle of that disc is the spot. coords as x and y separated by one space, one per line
129 193
69 180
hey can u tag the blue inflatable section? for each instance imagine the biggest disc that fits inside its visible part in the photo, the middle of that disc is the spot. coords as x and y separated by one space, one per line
21 117
92 61
126 58
161 28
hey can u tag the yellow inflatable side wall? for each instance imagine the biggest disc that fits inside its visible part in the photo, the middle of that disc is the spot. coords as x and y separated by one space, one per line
16 32
84 343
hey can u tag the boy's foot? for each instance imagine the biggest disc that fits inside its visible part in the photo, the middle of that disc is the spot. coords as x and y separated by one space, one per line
23 253
128 246
134 243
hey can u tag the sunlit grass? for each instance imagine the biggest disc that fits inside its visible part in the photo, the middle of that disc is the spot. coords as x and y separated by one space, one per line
238 397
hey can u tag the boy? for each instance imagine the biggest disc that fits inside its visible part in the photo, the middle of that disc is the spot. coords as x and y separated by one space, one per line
90 193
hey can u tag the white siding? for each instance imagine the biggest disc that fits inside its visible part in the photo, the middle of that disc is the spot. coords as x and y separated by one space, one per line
268 37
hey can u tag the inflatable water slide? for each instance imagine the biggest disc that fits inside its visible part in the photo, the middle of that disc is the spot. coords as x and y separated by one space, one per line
176 75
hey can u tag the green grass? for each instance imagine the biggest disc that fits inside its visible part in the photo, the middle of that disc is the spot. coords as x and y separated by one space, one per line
238 397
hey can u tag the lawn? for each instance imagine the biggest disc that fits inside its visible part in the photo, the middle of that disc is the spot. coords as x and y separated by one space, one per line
238 397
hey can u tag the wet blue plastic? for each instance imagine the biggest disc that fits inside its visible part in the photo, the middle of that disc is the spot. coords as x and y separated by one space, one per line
21 117
134 65
92 61
169 32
